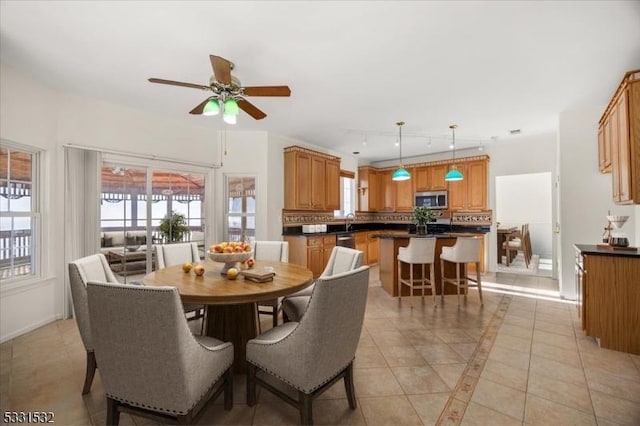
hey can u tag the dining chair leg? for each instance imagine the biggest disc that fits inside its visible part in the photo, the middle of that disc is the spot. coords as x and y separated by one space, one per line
91 371
442 279
399 281
113 414
350 388
306 413
251 384
228 389
479 282
422 281
432 283
458 281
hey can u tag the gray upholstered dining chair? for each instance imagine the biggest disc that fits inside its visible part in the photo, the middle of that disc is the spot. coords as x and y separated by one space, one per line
177 254
150 363
313 354
342 259
276 251
94 268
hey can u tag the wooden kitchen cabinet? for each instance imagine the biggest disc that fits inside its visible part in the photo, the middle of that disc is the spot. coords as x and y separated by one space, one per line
311 180
470 193
368 189
604 149
619 132
373 248
404 193
421 179
430 178
312 252
332 185
609 296
436 177
361 244
388 193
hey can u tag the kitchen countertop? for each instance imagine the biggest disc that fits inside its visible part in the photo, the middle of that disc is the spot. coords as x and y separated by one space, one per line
384 228
382 235
595 250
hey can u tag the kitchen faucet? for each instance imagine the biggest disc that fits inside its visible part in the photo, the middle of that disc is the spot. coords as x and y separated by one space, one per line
347 226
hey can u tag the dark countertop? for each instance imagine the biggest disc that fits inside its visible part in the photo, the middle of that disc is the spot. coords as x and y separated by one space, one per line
384 236
382 227
595 250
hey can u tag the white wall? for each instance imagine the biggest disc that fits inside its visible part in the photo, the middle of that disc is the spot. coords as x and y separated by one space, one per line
585 193
34 115
527 199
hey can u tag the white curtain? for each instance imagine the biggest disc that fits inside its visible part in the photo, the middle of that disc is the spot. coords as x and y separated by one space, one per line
81 209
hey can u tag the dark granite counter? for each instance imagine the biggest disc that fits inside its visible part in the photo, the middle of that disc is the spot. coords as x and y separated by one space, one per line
434 228
593 249
383 236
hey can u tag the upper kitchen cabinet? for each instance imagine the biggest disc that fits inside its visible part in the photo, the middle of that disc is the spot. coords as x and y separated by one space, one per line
368 189
470 193
388 191
430 178
619 131
311 180
404 193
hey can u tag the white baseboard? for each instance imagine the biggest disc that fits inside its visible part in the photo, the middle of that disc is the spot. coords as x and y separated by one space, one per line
29 328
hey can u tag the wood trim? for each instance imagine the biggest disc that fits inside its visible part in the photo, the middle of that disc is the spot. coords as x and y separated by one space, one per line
347 174
312 152
430 163
628 78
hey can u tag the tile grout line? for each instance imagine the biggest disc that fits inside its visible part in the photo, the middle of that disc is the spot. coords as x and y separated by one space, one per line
461 394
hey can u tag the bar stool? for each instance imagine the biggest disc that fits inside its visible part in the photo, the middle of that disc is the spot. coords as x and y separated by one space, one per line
420 251
465 250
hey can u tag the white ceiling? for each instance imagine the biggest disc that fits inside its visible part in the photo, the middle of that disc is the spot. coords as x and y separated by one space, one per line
354 68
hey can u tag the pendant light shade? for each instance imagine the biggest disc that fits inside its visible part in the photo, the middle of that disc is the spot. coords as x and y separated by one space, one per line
212 107
231 111
401 173
454 174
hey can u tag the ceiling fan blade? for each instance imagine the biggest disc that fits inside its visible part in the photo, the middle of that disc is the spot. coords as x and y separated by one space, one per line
267 91
198 110
251 109
221 69
178 83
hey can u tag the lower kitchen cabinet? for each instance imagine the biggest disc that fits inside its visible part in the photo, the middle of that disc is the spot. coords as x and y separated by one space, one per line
312 252
608 296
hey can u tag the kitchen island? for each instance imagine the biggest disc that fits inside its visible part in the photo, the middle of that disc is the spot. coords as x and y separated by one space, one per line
388 260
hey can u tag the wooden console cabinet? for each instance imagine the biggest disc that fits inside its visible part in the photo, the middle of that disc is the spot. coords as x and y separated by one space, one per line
608 296
619 140
311 180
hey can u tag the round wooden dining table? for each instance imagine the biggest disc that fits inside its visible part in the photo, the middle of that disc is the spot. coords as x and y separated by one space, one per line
231 304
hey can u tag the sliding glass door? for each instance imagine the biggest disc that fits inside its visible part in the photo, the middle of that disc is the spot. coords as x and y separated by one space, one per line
142 207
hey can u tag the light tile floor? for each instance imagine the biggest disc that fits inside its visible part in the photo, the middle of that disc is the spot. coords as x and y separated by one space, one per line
517 360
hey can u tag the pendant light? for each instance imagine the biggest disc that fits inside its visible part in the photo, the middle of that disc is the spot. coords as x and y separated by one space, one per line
401 173
453 174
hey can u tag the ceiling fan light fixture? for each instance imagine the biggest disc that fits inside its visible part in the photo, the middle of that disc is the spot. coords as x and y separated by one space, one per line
401 173
231 107
230 118
212 107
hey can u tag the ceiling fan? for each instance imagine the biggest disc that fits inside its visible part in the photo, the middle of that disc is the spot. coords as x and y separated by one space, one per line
228 93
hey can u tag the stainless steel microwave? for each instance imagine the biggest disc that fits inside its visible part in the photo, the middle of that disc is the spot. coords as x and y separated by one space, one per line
433 200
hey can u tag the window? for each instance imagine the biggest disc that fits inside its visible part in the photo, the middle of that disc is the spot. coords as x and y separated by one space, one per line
241 209
19 211
347 199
